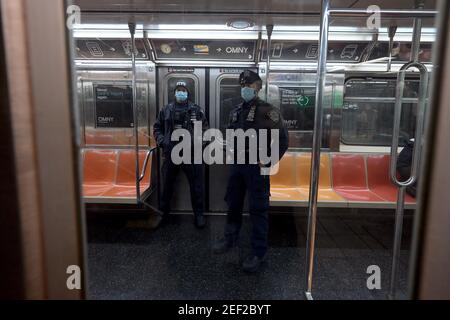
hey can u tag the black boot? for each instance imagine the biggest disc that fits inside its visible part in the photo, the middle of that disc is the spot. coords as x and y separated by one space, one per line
252 264
223 245
199 221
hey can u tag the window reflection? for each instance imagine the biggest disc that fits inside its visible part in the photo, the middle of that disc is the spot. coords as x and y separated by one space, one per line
371 122
230 97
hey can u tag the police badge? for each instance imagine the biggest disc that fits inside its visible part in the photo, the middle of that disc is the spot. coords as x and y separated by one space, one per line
193 116
274 116
251 114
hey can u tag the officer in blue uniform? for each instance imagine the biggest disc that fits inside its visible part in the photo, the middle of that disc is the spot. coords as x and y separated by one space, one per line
253 113
180 114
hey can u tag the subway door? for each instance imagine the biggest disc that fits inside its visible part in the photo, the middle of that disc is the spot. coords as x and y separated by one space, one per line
225 94
168 77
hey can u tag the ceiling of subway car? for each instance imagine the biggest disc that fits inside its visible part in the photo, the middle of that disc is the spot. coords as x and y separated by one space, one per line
152 14
238 6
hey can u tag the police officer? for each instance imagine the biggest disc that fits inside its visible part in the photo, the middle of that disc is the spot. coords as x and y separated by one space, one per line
253 113
180 114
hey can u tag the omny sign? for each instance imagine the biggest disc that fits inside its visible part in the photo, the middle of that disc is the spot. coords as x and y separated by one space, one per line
237 50
105 120
242 147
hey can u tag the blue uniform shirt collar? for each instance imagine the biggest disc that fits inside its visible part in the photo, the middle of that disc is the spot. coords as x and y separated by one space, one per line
250 103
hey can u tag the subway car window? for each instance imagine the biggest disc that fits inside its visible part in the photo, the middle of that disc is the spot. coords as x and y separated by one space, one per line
294 94
230 91
370 122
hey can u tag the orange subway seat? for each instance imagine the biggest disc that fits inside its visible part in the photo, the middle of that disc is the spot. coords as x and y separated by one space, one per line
285 176
120 192
101 137
126 172
125 183
283 185
143 137
90 138
99 167
123 137
326 192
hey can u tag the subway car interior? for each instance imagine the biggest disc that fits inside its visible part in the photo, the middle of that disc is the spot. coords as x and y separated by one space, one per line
354 83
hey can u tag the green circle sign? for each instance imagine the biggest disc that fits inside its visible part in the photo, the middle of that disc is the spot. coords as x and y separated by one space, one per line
303 100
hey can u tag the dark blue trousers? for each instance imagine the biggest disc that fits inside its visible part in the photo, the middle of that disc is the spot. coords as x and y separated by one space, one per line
247 178
194 175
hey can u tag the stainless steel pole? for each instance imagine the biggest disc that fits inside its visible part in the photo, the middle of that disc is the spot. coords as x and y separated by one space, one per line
397 241
423 89
392 31
317 141
269 29
417 32
132 27
399 212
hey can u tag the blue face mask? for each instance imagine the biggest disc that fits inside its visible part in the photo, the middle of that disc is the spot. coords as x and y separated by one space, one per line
181 96
248 94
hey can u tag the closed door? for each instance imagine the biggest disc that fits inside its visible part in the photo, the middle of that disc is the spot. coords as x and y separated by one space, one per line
225 94
194 78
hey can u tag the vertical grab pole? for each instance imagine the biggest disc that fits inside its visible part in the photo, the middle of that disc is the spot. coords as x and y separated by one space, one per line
269 29
401 190
132 27
317 141
417 33
423 89
400 207
391 32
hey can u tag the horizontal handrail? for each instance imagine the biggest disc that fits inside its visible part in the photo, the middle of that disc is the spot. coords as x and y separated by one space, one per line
144 167
380 99
404 13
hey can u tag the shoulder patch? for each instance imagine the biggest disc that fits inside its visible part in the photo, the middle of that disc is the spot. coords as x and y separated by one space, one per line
274 116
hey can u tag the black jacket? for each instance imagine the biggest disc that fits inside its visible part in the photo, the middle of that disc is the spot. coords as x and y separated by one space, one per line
404 163
265 116
164 125
405 157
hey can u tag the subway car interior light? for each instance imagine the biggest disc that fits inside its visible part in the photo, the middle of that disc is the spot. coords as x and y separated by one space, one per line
225 150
